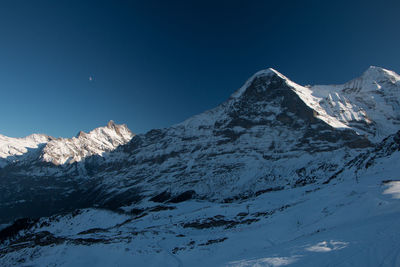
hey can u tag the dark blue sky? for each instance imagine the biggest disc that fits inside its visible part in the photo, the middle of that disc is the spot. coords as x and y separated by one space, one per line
155 63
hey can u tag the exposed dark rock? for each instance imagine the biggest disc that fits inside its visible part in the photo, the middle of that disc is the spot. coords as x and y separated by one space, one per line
271 189
93 231
161 208
162 197
187 195
89 241
216 222
135 211
20 224
213 241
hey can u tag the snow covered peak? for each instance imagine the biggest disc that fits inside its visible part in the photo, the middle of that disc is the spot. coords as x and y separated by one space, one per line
266 74
38 138
8 144
270 72
370 104
373 80
96 142
11 147
264 88
379 74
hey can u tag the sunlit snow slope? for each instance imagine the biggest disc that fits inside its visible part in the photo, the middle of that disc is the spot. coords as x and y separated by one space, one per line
96 142
12 147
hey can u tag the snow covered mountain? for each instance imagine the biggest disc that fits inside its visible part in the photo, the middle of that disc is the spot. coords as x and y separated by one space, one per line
264 161
368 104
10 147
63 150
265 135
96 142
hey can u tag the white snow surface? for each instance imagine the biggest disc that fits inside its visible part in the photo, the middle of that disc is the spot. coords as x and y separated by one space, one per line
96 142
66 150
369 104
12 147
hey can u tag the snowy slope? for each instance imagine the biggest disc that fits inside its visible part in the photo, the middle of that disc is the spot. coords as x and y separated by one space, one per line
12 147
348 222
60 151
368 104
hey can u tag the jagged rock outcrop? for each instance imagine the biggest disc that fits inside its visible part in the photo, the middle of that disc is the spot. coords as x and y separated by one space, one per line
96 142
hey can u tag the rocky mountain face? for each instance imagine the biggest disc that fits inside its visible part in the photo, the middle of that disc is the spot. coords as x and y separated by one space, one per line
263 136
100 140
270 134
60 151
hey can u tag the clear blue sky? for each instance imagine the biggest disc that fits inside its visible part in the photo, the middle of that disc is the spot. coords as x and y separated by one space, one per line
155 63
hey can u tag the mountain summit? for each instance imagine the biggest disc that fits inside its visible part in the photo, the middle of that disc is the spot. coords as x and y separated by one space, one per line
369 104
96 142
64 150
378 74
11 148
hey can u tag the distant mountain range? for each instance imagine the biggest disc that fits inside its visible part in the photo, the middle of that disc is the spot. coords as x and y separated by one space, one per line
270 137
